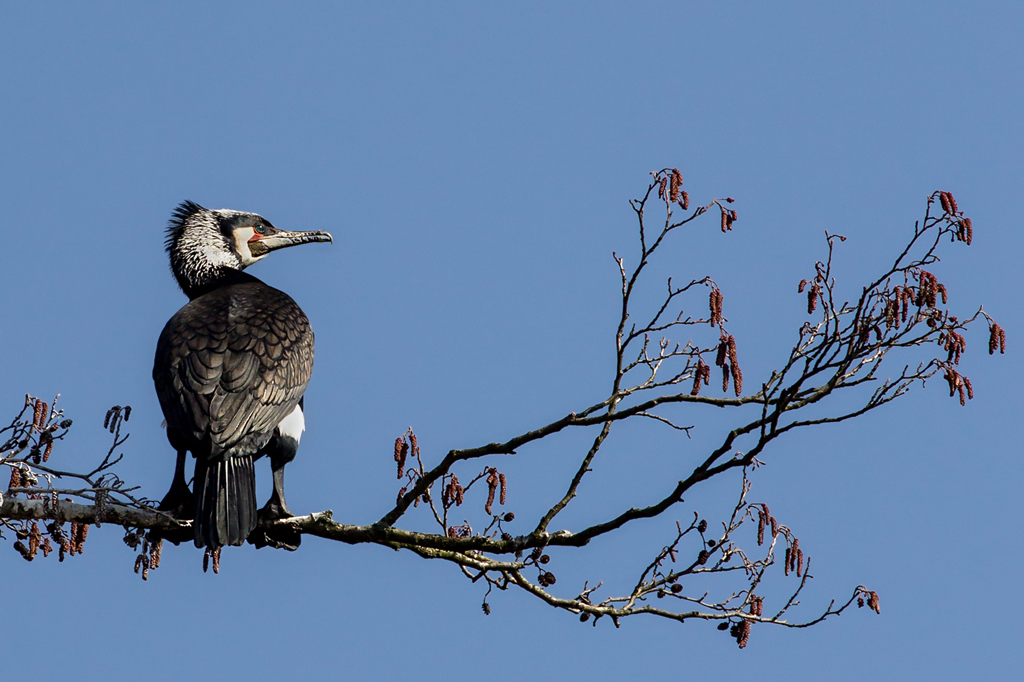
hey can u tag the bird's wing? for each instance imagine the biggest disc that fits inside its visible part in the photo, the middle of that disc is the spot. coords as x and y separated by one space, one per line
231 365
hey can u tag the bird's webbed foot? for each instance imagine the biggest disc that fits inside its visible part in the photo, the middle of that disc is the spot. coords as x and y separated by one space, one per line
275 510
276 537
179 502
268 535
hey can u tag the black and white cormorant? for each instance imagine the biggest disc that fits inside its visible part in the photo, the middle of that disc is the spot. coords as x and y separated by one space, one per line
230 370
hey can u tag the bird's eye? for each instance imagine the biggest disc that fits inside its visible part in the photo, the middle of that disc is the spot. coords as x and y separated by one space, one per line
260 229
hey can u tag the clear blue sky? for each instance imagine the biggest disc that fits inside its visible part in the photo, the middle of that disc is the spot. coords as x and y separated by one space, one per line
474 164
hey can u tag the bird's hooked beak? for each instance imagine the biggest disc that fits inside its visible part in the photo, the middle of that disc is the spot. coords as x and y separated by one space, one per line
260 245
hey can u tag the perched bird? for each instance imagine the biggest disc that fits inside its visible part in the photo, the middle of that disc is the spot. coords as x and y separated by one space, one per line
230 370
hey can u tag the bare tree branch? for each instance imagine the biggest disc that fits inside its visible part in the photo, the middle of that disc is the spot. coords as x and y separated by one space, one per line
840 352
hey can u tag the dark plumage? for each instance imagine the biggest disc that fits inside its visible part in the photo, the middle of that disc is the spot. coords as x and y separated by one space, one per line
230 370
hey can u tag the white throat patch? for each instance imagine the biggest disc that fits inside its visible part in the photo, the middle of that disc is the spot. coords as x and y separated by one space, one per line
242 236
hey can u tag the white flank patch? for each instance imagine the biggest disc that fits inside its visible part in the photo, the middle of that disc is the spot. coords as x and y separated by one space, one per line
293 425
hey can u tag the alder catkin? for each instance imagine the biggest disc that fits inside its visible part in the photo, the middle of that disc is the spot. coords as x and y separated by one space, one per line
155 550
944 200
492 487
737 379
812 298
744 633
723 347
873 602
996 340
401 452
675 182
715 300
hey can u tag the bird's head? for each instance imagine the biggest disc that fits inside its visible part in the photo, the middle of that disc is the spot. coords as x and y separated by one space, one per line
207 245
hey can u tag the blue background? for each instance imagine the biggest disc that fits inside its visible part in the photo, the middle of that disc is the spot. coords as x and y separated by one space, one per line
474 163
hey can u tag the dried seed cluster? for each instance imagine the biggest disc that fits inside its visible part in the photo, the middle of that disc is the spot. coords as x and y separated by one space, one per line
812 294
675 184
729 216
741 632
116 414
79 532
15 477
453 492
727 350
149 556
401 452
492 488
715 305
496 483
954 343
958 384
702 374
872 601
670 188
215 556
40 415
897 306
765 518
928 290
405 445
37 540
948 203
996 339
794 558
965 230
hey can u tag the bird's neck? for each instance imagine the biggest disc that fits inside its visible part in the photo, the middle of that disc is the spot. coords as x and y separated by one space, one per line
197 284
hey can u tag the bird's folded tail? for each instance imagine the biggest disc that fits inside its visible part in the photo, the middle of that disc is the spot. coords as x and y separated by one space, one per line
225 501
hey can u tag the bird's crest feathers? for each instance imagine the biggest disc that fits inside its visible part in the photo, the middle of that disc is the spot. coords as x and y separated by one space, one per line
176 225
